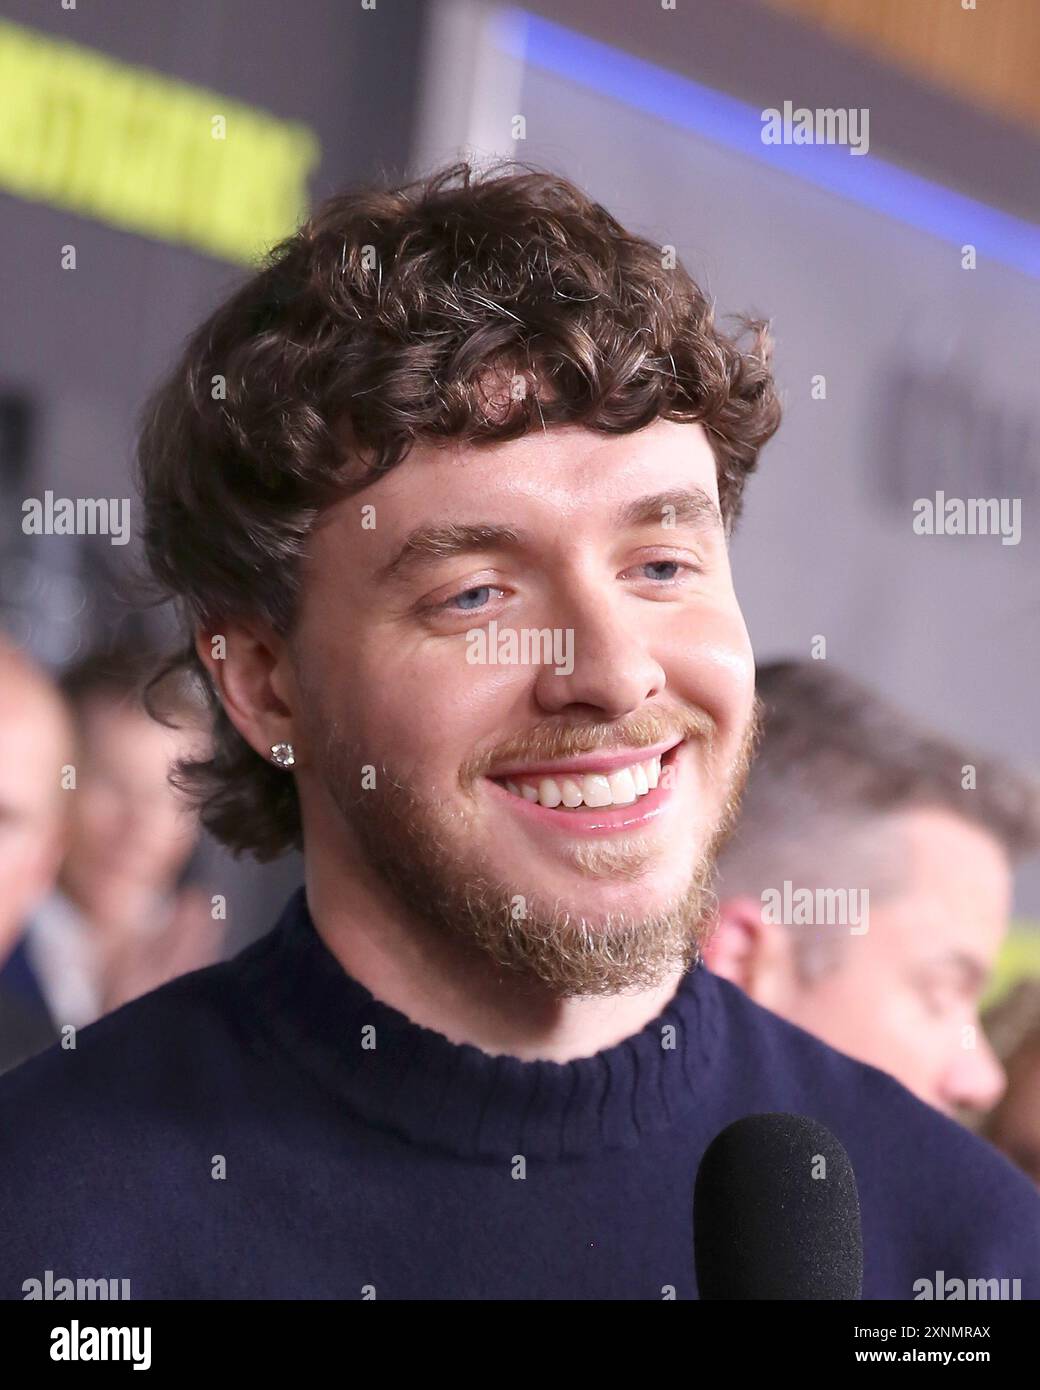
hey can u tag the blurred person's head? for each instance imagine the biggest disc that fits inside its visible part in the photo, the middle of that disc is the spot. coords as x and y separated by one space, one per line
1013 1125
130 833
847 795
36 746
469 388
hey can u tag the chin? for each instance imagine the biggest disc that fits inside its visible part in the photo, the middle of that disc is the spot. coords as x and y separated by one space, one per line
598 890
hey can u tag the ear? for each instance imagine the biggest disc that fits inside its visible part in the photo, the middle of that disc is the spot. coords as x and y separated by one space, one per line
741 947
250 668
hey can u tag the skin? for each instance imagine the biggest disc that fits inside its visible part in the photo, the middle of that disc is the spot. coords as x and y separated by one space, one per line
129 837
36 741
905 996
410 881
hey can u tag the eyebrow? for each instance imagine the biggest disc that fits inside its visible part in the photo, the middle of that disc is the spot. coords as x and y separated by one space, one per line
688 507
972 973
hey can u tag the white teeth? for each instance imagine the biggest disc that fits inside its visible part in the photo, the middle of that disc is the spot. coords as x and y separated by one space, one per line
571 792
549 792
595 789
622 787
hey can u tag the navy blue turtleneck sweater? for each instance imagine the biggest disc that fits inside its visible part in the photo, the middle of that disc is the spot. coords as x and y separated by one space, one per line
236 1134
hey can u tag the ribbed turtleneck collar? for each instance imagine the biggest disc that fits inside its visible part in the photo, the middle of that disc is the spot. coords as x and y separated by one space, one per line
454 1097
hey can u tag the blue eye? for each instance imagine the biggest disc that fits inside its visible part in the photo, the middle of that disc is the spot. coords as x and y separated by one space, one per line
658 564
472 600
484 589
674 566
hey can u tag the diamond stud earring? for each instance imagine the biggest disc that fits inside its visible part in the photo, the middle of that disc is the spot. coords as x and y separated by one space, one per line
283 755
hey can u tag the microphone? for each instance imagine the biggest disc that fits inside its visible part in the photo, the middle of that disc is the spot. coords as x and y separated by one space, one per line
776 1213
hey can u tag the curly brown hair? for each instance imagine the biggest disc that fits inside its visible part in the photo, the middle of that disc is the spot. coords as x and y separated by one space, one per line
373 326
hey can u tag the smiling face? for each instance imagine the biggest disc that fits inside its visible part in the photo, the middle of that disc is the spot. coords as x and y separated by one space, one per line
517 641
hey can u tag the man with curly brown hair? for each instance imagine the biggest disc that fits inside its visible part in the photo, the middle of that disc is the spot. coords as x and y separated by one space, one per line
413 487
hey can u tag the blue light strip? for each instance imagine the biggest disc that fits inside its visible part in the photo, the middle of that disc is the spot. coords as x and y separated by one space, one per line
735 125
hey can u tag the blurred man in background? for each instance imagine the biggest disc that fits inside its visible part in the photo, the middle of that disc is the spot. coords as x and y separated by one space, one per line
36 745
121 922
848 796
1014 1125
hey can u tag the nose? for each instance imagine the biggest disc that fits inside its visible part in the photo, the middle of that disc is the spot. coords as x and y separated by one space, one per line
613 672
975 1079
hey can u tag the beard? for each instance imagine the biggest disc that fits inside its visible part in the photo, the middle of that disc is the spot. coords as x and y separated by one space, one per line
420 849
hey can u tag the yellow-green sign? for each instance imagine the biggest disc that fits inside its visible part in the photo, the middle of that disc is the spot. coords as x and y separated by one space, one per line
147 153
1019 959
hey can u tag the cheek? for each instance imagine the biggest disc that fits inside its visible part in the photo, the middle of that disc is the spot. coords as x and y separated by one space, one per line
429 711
426 707
906 1036
20 852
711 665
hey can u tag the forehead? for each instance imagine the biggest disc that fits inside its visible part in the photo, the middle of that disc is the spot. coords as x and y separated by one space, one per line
564 475
944 848
956 894
121 733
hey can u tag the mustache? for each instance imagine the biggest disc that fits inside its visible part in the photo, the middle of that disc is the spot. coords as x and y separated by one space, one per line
645 730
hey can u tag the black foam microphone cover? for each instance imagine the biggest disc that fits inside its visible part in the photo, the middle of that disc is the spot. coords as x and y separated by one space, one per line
776 1213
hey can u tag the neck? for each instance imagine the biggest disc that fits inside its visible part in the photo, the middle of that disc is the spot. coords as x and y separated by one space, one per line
441 984
112 910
